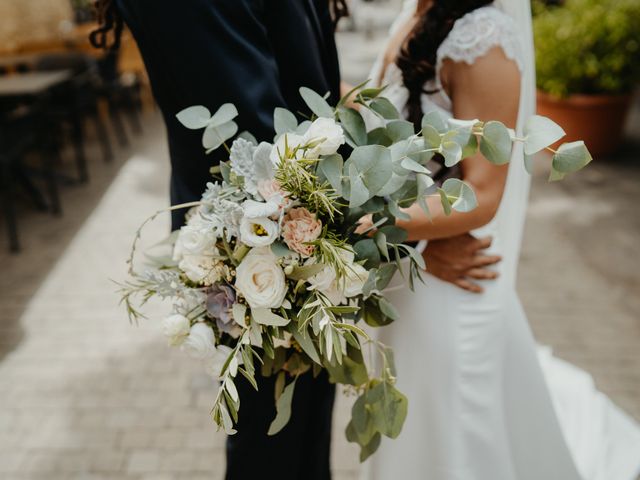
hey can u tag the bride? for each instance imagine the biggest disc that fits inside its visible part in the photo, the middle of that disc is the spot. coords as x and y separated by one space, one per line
484 405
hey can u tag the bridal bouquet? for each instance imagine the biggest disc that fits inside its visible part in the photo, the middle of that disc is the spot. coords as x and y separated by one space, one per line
268 275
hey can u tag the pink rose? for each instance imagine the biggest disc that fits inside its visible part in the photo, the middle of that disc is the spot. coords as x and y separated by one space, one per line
300 227
272 192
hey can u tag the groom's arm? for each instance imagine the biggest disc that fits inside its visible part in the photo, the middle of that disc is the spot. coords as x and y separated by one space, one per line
208 52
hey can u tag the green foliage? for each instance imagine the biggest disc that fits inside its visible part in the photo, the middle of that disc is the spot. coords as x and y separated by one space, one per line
587 46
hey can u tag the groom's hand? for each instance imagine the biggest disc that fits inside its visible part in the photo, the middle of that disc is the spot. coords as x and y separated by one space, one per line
459 260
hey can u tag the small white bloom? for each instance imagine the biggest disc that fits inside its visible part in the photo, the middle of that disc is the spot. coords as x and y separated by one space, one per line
176 328
258 232
290 140
195 239
328 135
199 268
260 279
199 343
253 209
217 360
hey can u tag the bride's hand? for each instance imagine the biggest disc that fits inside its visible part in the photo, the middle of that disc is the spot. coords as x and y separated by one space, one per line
459 259
365 223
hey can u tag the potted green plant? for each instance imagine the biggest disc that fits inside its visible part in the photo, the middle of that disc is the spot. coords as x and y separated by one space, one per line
588 63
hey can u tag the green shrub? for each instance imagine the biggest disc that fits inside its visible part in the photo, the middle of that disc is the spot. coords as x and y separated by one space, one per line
587 46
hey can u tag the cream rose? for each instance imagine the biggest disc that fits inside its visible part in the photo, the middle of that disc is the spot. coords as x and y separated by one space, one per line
194 240
300 227
258 232
176 328
326 135
199 343
260 279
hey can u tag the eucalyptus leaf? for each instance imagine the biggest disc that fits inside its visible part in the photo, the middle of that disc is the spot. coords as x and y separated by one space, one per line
414 166
383 107
331 167
394 209
379 136
374 164
384 275
213 137
452 153
195 117
353 124
367 250
495 143
316 103
284 121
381 242
540 132
224 114
394 234
465 197
388 408
571 157
279 249
400 130
435 120
358 192
431 136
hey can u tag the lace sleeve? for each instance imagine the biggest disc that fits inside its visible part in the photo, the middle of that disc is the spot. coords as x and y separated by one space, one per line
473 35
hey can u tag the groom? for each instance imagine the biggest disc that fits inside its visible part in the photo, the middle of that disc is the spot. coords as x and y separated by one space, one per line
255 54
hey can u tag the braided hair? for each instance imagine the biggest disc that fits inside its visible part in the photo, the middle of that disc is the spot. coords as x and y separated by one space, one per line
418 55
109 20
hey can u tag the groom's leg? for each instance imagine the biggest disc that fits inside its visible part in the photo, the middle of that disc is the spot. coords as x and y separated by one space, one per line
301 450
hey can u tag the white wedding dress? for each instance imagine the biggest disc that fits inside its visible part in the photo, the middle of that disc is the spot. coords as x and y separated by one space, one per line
485 403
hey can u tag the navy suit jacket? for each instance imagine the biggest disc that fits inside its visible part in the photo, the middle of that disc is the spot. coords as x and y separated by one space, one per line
253 53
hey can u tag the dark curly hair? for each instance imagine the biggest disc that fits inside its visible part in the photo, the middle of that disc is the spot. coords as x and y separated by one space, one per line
417 57
109 20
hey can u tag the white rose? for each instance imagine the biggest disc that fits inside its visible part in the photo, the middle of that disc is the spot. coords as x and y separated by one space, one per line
260 279
176 328
354 281
199 268
325 283
199 343
292 141
258 232
327 134
194 240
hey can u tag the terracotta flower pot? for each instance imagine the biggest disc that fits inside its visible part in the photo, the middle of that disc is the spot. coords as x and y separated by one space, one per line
596 119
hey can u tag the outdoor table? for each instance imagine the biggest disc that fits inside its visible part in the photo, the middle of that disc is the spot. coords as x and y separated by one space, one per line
13 63
32 84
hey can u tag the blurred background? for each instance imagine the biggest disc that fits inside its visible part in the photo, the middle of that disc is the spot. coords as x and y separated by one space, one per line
83 160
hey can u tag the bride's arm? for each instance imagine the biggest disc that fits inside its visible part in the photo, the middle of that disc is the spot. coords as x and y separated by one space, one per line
489 89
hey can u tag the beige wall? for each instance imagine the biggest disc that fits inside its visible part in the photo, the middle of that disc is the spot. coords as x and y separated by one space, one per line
26 21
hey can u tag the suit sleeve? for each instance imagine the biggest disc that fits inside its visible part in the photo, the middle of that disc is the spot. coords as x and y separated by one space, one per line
208 52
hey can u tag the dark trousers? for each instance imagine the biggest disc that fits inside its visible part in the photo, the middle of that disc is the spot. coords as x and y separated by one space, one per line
300 451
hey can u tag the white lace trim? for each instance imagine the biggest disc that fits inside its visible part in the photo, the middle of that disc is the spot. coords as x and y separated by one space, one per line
473 35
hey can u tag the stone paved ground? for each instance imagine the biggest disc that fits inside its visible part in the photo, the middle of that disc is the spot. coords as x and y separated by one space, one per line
84 395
